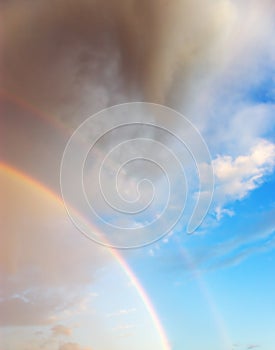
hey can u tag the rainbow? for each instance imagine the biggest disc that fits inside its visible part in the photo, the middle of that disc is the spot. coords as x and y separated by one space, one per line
217 317
43 116
18 175
115 253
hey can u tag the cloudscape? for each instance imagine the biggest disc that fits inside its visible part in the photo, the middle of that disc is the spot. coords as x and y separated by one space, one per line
137 175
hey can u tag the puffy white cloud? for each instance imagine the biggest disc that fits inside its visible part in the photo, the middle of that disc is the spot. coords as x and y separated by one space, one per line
236 177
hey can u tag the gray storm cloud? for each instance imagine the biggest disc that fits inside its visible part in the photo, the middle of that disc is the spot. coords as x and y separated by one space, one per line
69 56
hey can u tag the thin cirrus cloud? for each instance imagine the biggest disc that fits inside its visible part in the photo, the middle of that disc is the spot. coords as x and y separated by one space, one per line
255 237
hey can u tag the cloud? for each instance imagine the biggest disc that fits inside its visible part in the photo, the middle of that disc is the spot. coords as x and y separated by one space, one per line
74 45
124 327
39 247
73 346
211 252
196 66
234 258
211 60
60 330
255 237
236 177
231 102
221 212
123 312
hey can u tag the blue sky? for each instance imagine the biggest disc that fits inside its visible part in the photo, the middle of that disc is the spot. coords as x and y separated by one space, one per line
239 281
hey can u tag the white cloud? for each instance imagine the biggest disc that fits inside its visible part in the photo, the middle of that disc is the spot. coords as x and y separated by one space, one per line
221 212
254 237
236 177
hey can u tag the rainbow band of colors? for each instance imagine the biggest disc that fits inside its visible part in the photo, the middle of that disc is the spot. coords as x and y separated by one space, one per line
115 253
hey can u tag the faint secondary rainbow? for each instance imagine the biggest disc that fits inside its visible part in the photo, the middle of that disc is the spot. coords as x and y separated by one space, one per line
220 324
18 175
34 110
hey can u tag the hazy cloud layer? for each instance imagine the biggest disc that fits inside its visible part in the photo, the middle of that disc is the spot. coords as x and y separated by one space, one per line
39 247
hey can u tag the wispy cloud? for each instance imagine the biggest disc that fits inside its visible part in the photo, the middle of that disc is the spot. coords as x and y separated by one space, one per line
122 312
60 330
253 346
73 346
206 254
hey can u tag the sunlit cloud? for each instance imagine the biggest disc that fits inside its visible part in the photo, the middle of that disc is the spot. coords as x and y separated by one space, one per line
73 346
236 178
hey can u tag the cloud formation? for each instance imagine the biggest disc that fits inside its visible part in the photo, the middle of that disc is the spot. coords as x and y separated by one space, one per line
102 50
60 330
89 55
237 177
39 247
211 60
73 346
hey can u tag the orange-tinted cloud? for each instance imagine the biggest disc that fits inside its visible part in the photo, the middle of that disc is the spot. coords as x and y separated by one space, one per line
60 330
73 346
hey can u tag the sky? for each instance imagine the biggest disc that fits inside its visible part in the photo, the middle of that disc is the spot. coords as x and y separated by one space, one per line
137 175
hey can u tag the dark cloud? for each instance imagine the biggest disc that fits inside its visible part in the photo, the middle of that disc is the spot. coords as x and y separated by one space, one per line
57 53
